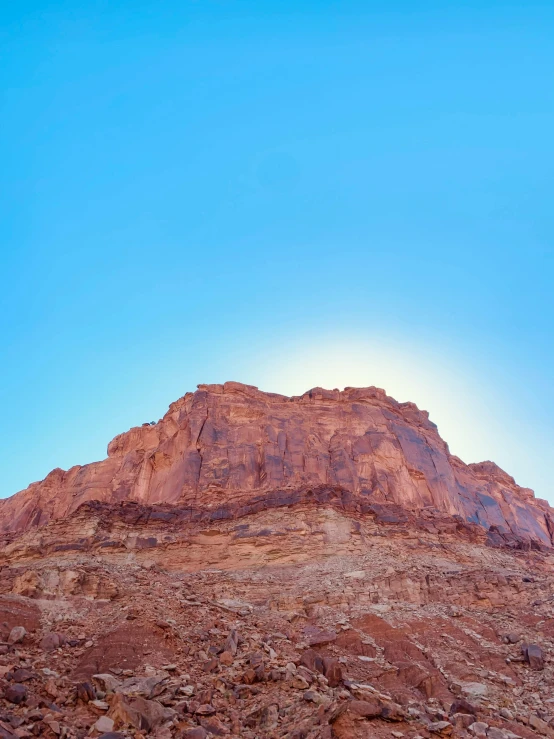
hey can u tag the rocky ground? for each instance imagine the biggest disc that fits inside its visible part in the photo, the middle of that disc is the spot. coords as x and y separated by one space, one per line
303 622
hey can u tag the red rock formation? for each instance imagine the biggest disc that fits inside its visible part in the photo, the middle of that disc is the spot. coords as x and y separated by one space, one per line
232 449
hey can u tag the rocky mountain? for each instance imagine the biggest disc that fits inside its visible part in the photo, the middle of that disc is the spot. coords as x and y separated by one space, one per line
227 448
260 567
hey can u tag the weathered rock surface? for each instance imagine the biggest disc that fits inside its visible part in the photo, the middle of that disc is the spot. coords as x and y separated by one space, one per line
229 449
308 621
276 593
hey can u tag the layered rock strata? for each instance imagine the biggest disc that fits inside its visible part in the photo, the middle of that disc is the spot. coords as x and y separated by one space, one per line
226 450
291 623
261 567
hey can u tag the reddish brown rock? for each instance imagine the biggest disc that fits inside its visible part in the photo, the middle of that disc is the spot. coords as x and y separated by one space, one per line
138 712
121 648
15 693
224 442
318 637
311 580
17 634
534 656
17 611
226 658
198 732
312 660
332 671
366 708
50 641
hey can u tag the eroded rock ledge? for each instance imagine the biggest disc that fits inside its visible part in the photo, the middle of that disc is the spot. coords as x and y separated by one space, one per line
277 527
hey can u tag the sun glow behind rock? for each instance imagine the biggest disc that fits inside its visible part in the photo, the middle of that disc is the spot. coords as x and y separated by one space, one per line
472 415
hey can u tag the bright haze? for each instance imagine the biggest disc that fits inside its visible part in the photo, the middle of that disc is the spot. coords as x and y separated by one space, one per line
288 194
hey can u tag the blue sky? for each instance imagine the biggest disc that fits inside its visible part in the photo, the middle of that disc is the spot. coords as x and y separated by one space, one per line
287 194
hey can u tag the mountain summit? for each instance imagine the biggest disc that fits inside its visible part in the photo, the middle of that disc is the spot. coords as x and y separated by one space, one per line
229 449
254 566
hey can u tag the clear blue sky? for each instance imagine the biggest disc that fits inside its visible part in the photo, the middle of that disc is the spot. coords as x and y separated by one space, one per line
201 191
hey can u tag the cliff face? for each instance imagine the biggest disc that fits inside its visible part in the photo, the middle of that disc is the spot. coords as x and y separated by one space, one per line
225 446
265 567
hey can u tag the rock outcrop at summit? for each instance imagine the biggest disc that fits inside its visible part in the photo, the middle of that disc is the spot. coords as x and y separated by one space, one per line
227 447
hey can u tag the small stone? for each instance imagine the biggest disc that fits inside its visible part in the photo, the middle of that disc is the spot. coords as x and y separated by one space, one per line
22 675
198 732
306 674
101 705
214 726
313 696
538 724
391 711
462 720
231 643
312 660
17 634
104 724
462 706
533 655
318 637
108 683
366 709
478 728
16 693
494 732
226 658
332 671
85 692
49 642
299 683
474 690
206 709
444 728
249 677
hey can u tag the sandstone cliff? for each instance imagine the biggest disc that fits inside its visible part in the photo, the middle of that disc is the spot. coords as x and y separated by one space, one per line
231 449
260 567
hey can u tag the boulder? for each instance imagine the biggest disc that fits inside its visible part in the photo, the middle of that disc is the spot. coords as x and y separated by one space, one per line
533 656
318 637
312 660
332 671
370 708
15 693
17 634
104 724
197 732
138 712
50 641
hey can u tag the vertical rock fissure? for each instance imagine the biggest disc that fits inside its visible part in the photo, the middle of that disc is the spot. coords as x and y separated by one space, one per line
199 449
